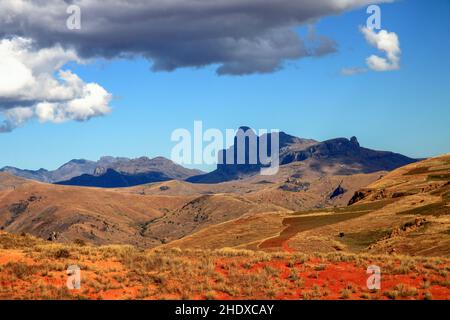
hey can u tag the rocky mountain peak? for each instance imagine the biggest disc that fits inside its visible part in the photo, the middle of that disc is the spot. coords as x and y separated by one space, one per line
354 141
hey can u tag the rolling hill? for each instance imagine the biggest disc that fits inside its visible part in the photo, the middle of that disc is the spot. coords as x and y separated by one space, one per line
152 214
289 236
405 212
94 215
300 208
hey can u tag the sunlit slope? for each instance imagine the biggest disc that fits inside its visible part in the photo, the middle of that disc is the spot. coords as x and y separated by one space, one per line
405 212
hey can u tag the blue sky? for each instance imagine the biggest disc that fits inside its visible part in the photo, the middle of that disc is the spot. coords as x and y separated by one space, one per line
405 111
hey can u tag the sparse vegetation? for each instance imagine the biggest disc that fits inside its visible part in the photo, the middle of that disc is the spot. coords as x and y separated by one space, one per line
345 294
62 254
401 291
125 272
361 240
20 270
435 209
257 255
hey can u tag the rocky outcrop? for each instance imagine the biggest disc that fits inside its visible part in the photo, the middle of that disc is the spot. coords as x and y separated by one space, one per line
343 152
358 196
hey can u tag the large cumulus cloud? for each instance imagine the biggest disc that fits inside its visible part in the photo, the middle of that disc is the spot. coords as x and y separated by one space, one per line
238 36
241 36
33 85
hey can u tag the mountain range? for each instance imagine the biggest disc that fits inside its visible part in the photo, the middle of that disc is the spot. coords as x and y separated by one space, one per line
343 156
109 172
341 152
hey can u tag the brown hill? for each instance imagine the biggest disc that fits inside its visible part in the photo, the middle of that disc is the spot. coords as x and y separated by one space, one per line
158 213
296 186
406 212
325 251
95 215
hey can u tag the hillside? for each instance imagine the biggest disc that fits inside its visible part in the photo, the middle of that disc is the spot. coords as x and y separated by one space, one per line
405 212
94 215
233 240
152 214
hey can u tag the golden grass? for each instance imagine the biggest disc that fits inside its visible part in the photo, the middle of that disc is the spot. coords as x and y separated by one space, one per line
37 270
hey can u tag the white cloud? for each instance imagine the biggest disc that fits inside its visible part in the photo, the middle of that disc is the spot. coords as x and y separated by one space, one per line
15 117
14 75
32 85
353 71
387 42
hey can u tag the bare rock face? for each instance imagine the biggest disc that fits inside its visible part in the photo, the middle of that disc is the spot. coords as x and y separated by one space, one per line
372 195
354 141
358 196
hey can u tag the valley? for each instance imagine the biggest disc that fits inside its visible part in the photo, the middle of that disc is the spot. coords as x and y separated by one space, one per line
307 232
158 213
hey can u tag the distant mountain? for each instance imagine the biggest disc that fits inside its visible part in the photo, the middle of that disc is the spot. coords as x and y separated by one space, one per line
343 153
114 179
228 172
145 165
82 171
38 175
339 156
349 154
67 171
